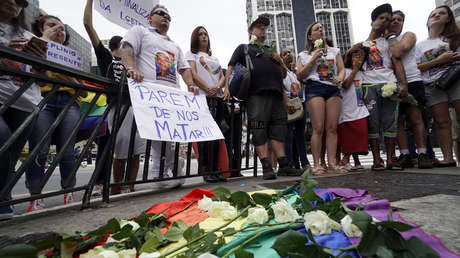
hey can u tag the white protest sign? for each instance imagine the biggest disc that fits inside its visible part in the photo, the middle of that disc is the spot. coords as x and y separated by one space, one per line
126 13
168 114
64 55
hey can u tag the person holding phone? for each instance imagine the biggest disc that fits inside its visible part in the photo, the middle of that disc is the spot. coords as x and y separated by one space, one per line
14 34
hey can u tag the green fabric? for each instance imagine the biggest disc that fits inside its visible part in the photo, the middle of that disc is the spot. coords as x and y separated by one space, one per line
95 111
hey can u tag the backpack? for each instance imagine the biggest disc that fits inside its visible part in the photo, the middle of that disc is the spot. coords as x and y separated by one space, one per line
240 78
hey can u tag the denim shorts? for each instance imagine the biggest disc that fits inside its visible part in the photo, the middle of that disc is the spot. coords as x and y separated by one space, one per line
317 89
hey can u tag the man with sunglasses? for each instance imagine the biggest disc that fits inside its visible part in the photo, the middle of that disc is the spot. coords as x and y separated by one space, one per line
145 54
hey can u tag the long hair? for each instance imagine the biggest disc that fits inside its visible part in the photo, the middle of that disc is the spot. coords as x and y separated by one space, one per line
195 41
37 27
348 59
451 30
309 45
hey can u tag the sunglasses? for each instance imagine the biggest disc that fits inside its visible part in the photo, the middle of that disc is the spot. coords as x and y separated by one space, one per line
162 13
22 3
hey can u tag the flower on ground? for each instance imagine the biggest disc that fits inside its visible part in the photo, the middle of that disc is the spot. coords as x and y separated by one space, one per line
128 253
130 222
150 255
318 43
284 212
205 203
389 89
99 252
351 230
222 210
206 255
257 215
319 223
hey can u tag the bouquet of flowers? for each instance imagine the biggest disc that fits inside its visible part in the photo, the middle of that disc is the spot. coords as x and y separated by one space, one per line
391 90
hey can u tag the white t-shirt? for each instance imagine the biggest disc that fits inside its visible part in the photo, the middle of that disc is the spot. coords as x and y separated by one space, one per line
292 87
158 57
325 68
207 67
378 67
409 61
428 50
9 84
353 107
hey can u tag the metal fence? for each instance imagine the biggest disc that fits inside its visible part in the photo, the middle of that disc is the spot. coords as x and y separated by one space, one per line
116 93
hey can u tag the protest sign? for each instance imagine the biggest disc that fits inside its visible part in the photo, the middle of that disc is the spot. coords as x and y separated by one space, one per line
64 55
164 113
126 13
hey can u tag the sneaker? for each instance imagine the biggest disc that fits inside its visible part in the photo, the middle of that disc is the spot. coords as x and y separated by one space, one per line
6 212
69 198
36 205
268 174
405 161
424 161
290 171
210 178
97 190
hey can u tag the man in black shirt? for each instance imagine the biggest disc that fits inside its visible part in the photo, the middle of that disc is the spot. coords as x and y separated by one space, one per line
266 104
111 66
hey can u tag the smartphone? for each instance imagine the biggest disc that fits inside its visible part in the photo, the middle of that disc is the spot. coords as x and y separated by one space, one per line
38 42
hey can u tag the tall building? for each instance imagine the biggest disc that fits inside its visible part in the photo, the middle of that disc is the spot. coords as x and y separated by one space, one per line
454 6
289 20
31 13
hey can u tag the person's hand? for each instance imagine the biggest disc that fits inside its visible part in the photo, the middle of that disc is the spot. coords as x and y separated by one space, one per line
336 80
448 57
357 62
194 89
277 58
355 48
17 43
226 96
212 91
290 107
135 74
403 91
317 54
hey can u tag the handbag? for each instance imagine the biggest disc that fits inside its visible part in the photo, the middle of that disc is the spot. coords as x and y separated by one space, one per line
298 113
240 78
447 79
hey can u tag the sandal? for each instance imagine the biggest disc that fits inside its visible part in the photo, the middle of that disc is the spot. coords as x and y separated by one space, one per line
337 170
395 166
378 167
317 171
359 167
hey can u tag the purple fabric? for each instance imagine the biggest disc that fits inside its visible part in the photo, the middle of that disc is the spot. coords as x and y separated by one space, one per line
379 209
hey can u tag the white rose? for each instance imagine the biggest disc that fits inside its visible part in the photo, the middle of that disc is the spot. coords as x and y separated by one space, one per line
319 223
107 254
284 211
443 45
351 230
229 213
318 43
150 255
253 39
93 252
206 255
205 203
128 253
257 215
222 210
130 222
389 89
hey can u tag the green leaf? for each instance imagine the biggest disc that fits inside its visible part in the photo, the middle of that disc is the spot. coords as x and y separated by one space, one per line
84 245
19 251
125 232
48 243
240 253
210 239
180 224
384 252
262 199
135 241
113 226
240 200
290 241
310 195
150 245
394 240
228 231
159 235
399 226
174 234
372 239
360 219
420 249
143 220
192 232
222 194
148 235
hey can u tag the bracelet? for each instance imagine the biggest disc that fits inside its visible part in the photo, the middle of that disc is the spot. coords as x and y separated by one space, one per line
391 36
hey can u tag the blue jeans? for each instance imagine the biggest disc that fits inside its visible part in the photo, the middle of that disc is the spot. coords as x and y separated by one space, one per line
9 122
47 116
296 130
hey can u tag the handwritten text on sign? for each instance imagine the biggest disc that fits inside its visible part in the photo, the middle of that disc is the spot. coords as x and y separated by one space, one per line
64 55
126 13
168 114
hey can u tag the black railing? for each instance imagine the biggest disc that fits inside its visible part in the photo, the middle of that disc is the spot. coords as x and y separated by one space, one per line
116 94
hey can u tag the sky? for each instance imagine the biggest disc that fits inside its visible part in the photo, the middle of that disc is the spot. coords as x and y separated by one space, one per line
225 20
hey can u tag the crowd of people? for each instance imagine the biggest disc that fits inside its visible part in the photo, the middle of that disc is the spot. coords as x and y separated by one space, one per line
381 91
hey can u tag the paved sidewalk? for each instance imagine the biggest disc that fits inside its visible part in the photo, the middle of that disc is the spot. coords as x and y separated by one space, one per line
430 198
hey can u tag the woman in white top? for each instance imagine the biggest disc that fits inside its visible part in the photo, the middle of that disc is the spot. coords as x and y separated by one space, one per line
207 75
13 34
321 69
434 57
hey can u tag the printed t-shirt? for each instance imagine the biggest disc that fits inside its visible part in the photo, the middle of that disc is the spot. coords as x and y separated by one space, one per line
292 87
9 84
157 57
428 50
353 107
378 67
409 61
325 68
207 67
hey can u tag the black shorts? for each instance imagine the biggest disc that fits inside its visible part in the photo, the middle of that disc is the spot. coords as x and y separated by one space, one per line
416 89
267 117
